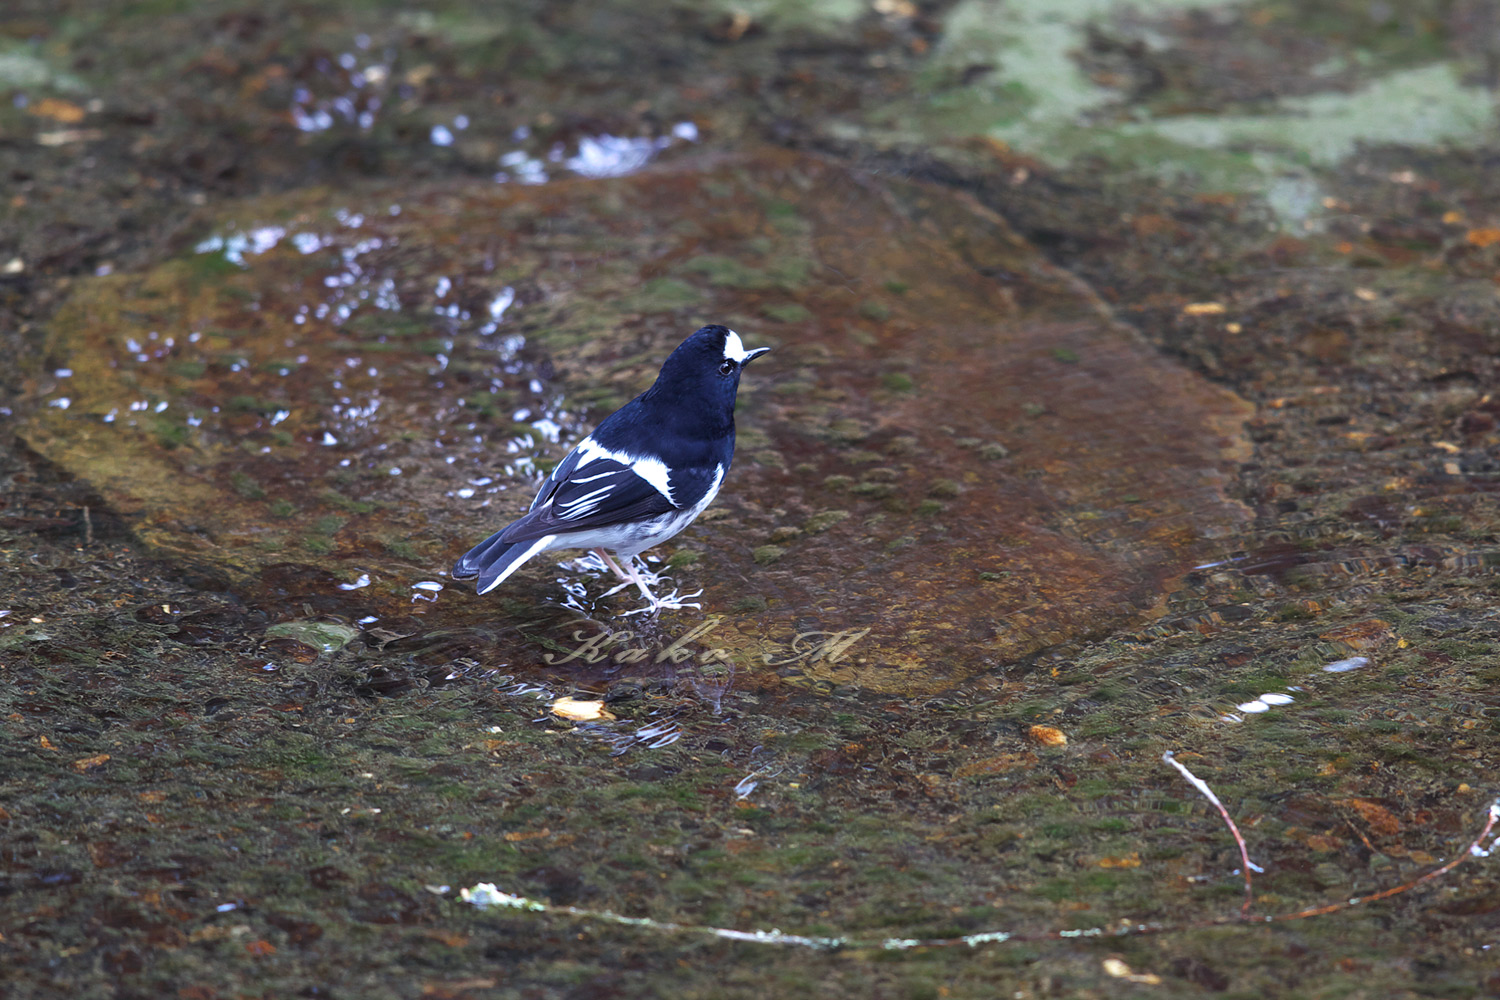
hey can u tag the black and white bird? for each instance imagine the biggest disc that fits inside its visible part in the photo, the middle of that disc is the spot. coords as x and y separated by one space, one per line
642 476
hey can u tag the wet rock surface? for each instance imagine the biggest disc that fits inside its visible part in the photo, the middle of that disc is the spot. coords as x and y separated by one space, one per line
219 781
954 450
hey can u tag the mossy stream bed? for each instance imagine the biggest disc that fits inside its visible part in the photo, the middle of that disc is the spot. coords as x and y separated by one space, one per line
1107 411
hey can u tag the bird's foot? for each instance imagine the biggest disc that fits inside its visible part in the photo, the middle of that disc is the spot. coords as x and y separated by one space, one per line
645 579
672 602
634 574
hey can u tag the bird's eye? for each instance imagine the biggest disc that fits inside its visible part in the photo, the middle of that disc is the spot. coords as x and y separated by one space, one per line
726 367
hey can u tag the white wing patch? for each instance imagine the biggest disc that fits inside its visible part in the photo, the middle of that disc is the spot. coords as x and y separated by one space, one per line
586 504
652 470
708 498
734 348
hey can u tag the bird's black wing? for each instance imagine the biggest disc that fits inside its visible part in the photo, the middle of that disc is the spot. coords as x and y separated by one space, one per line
597 494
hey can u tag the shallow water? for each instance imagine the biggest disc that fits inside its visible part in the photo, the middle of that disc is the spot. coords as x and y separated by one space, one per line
1053 469
963 469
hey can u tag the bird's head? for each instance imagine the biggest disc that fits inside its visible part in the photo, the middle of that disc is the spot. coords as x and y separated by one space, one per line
707 367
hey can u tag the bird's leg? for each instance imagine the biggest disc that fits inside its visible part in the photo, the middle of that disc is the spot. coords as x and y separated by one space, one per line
614 566
640 581
632 575
637 573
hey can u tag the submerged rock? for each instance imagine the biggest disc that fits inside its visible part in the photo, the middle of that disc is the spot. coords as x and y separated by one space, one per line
953 445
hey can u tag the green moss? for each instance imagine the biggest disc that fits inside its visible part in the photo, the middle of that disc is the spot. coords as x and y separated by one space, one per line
187 369
823 520
283 508
489 405
683 557
748 605
328 524
204 267
789 312
903 445
388 323
400 547
946 488
668 293
1096 726
847 430
791 273
728 272
169 434
928 508
334 498
246 487
777 209
249 404
327 636
767 554
876 310
994 451
897 381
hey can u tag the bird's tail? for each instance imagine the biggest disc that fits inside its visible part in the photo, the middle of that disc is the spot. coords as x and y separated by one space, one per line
492 560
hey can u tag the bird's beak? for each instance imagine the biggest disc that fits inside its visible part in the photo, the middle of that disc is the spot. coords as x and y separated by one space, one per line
752 355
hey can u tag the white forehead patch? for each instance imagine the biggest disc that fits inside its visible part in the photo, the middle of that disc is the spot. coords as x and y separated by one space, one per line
734 348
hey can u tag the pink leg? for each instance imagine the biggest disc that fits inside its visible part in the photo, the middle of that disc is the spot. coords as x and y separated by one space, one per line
630 576
635 578
608 561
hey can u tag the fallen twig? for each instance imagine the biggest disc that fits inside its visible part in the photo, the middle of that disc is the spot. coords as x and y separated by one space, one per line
1247 866
485 895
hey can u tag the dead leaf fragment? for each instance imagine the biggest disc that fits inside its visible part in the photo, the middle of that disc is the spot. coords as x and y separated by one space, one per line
456 988
1047 736
1131 860
996 765
579 711
1204 309
58 110
452 939
1483 237
1118 969
1361 636
89 763
1379 818
67 136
